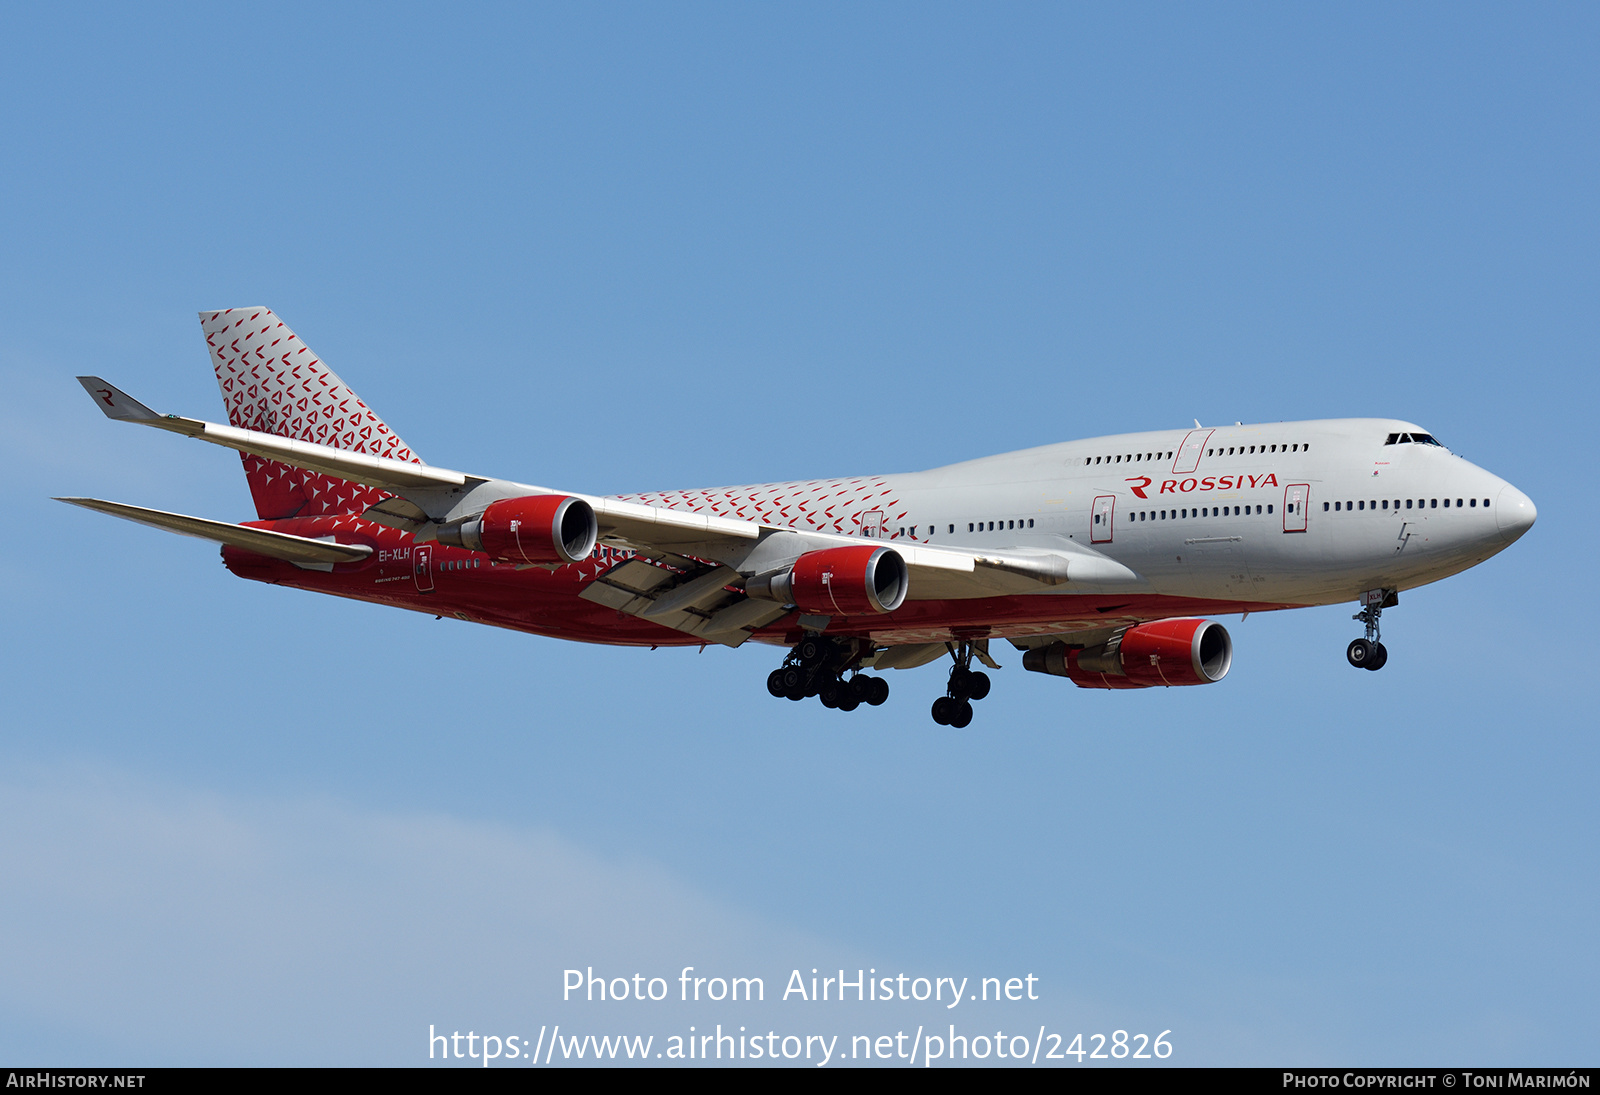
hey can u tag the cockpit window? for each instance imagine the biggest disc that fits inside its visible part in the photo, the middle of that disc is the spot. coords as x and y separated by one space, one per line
1411 439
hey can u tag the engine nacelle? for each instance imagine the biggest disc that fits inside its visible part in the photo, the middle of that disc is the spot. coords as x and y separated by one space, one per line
1163 653
541 529
841 581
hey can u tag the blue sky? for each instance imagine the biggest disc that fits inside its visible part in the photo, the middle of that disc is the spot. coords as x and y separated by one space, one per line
641 247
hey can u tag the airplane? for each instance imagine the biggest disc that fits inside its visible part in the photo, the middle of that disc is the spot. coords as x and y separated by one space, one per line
1098 559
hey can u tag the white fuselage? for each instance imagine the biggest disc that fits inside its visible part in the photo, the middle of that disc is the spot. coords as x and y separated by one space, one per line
1289 513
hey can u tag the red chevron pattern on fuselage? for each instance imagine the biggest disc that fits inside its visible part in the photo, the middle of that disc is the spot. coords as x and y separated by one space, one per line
272 382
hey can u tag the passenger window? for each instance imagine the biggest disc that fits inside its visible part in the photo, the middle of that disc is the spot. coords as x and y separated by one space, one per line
1458 503
952 529
1408 503
1324 507
991 526
1269 509
1385 503
1030 522
1361 505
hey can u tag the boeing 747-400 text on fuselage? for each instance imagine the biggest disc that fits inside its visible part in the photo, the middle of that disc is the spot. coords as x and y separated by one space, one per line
1095 558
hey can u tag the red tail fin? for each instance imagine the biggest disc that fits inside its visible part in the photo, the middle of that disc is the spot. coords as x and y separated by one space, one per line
272 382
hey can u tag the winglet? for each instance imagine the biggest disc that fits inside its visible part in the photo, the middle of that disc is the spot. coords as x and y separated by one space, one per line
116 403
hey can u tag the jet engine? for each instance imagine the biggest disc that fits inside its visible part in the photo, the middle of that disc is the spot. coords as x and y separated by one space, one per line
1163 653
841 581
541 529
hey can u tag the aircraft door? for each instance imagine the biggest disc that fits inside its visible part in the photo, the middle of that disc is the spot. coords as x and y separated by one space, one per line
422 567
1100 524
872 523
1194 446
1296 498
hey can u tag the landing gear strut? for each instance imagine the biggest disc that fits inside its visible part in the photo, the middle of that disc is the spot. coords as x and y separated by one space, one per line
817 667
1369 652
954 708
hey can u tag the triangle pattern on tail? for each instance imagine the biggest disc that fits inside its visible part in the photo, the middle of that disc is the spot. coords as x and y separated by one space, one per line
272 382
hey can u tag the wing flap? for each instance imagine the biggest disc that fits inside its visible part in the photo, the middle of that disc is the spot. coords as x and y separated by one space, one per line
300 550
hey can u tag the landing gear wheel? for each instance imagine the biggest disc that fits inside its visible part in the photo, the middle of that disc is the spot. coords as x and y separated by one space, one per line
977 685
860 688
961 682
832 692
775 684
878 692
961 714
797 693
849 703
1368 652
810 650
941 710
792 680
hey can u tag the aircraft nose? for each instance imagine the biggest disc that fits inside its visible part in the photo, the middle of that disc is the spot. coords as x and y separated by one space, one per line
1514 512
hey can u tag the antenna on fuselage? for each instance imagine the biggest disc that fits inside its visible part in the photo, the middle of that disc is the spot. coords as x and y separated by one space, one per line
1197 425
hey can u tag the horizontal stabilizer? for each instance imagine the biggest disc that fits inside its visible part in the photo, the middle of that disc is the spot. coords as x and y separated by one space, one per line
300 550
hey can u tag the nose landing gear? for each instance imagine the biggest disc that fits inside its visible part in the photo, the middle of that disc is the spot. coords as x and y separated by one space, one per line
954 708
1369 652
817 667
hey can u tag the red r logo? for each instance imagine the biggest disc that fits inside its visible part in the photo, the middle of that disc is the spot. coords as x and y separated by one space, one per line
105 394
1139 484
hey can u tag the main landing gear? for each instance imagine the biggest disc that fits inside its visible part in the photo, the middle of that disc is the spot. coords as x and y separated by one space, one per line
1369 652
817 667
954 708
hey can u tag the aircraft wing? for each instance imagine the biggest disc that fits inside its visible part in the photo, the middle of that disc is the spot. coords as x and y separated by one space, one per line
428 496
